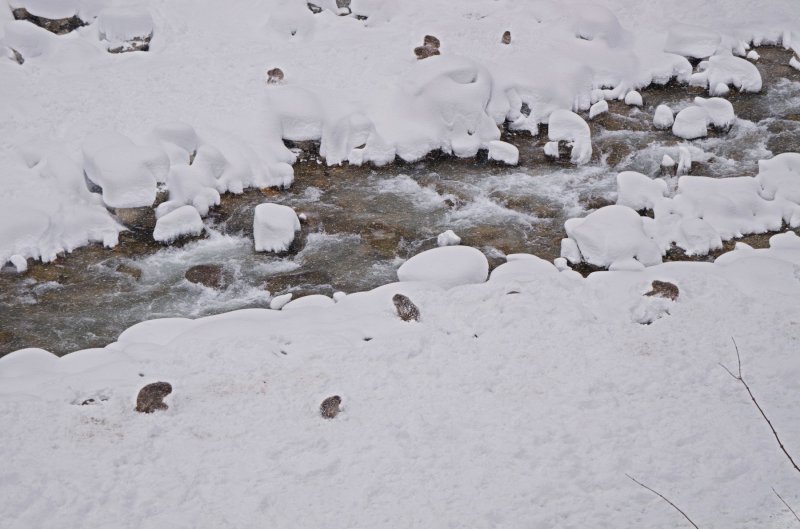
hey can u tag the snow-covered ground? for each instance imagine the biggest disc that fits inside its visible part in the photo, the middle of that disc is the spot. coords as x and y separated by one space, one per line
523 400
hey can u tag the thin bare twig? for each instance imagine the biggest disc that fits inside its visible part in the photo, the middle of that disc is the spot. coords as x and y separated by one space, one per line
760 410
787 505
663 498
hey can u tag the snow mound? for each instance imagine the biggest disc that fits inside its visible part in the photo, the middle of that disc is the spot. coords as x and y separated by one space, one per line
183 221
503 152
633 98
719 111
447 267
192 184
118 25
663 118
724 70
52 9
274 227
27 39
568 126
638 191
629 239
601 107
448 238
779 177
692 41
691 123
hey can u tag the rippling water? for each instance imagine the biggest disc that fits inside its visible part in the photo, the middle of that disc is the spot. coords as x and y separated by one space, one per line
363 222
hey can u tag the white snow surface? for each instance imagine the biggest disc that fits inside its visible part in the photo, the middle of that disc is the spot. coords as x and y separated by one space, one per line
184 220
446 266
274 227
545 383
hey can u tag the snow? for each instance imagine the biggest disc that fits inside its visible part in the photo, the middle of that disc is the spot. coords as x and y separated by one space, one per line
779 177
794 63
503 152
448 238
753 55
663 118
180 222
720 111
313 301
728 70
629 240
598 108
551 149
274 227
446 266
278 302
568 126
19 262
633 98
667 161
691 123
52 9
29 40
692 41
121 24
639 191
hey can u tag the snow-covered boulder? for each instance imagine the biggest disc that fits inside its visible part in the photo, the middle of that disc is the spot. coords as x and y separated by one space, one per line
663 118
601 107
448 266
448 238
724 70
691 123
178 223
125 29
312 301
503 152
779 177
274 227
192 184
26 40
719 111
639 191
633 98
610 235
568 126
692 41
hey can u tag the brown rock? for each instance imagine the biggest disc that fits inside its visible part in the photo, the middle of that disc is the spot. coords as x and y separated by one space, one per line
506 38
209 275
664 289
405 308
151 397
330 407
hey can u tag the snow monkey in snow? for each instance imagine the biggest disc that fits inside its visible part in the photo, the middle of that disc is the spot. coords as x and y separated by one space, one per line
330 407
429 48
405 308
274 76
664 289
151 397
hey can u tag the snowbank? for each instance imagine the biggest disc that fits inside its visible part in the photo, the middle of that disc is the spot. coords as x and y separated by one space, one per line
447 267
274 227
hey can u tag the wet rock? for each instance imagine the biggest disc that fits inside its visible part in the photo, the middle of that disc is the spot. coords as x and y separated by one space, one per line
132 271
274 76
506 38
664 289
209 275
142 218
330 407
151 397
405 308
59 26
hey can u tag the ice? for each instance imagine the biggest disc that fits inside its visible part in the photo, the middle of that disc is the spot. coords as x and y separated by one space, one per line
180 222
448 238
446 266
274 227
691 123
598 108
567 126
663 118
503 152
591 235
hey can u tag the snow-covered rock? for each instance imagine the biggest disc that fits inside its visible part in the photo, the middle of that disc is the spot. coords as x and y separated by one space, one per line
663 118
753 55
448 238
691 123
610 235
568 126
692 41
503 152
779 177
447 266
598 108
274 227
719 111
181 222
27 40
638 191
633 98
19 262
728 70
551 149
125 28
667 162
794 63
278 302
193 185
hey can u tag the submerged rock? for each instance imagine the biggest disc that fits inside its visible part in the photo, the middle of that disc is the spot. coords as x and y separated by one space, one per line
151 397
132 271
209 275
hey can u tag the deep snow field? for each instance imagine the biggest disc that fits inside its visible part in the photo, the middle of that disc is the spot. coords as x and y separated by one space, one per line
527 394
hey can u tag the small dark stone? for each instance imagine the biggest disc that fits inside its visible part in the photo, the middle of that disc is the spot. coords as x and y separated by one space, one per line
330 407
405 308
314 8
506 38
274 76
664 289
209 275
151 397
431 42
423 52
